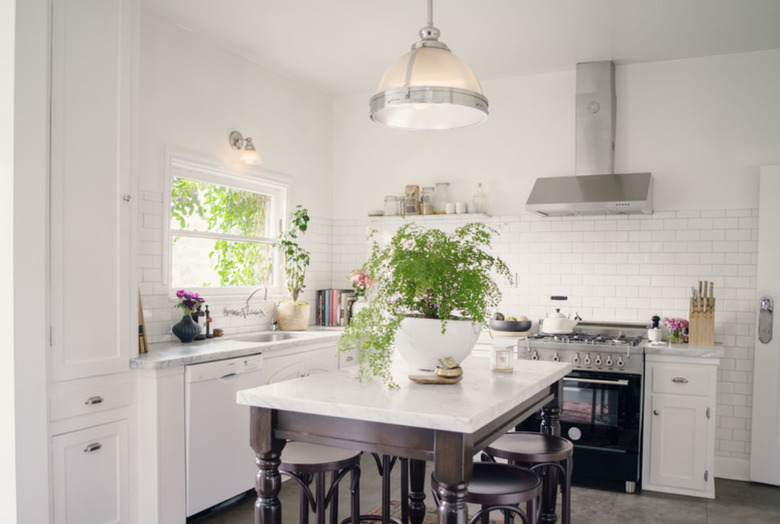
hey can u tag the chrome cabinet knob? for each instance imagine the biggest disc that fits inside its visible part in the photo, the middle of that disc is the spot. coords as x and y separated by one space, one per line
656 412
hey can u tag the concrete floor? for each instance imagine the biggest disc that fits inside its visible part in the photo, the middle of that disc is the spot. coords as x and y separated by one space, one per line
736 502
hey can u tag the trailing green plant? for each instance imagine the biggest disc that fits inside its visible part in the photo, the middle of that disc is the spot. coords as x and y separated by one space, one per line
296 258
424 273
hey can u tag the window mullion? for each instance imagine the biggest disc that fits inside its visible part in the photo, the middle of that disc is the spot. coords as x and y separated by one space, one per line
221 236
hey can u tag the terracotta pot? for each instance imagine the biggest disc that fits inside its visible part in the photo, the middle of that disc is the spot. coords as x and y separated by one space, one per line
293 316
421 342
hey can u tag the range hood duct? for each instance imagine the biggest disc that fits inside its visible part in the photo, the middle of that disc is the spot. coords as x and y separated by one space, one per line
595 190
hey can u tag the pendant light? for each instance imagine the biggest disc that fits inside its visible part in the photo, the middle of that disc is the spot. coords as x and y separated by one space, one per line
429 88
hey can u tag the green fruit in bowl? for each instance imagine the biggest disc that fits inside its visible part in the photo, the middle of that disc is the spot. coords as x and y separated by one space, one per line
510 318
498 316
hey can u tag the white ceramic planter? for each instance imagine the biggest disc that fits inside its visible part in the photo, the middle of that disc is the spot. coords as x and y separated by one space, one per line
421 342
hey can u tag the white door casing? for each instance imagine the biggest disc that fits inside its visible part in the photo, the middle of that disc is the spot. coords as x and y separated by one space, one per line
765 435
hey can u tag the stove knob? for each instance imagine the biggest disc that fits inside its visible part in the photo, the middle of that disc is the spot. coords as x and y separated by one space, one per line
576 359
556 358
587 359
620 363
597 361
534 356
609 362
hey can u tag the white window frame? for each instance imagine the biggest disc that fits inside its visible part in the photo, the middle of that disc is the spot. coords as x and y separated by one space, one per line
205 169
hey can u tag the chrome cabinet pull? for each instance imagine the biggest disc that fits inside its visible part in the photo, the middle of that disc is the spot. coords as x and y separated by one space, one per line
765 320
656 412
93 447
680 380
91 401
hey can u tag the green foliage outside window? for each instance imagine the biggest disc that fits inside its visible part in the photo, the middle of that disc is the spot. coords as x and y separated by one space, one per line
235 224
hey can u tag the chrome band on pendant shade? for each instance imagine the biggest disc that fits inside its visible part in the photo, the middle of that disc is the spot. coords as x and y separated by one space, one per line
428 108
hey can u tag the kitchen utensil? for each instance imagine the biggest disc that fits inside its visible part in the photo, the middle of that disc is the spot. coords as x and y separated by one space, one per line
558 324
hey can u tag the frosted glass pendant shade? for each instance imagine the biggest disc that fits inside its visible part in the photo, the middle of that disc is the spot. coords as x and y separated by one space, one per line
429 88
442 93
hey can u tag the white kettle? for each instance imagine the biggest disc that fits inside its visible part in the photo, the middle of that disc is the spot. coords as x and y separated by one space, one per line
558 324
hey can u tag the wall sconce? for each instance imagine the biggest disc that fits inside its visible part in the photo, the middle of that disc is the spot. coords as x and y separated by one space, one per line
249 154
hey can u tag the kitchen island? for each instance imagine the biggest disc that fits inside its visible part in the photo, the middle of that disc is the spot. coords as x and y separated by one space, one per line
445 424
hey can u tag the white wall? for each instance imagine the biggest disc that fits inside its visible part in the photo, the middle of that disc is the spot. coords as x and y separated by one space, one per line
194 93
701 126
30 251
7 437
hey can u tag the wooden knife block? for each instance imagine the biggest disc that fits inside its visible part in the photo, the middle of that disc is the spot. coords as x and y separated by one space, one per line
701 323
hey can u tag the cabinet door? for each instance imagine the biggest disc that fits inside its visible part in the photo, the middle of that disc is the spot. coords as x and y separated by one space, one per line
91 227
320 361
89 473
678 440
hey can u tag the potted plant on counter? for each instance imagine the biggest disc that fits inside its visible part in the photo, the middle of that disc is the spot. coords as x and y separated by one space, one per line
293 315
431 293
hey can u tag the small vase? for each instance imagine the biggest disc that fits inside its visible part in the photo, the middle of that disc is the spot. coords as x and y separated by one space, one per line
675 335
186 329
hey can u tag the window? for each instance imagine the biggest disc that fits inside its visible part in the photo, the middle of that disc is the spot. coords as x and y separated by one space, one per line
223 226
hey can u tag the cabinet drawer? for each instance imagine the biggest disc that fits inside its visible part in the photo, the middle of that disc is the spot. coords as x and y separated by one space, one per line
681 380
93 400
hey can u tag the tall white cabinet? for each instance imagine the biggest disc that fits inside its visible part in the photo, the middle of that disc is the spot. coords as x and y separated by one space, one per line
679 419
92 238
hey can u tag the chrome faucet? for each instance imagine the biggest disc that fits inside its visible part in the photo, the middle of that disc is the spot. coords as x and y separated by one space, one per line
246 310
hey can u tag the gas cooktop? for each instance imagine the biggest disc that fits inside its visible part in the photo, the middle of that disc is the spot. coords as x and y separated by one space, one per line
597 346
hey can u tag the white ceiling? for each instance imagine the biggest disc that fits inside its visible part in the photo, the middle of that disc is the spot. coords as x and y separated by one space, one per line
343 46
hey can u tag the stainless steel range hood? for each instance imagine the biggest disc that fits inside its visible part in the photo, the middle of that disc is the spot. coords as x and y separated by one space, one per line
595 189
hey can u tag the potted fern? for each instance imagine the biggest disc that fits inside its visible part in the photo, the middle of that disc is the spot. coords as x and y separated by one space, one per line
293 315
432 292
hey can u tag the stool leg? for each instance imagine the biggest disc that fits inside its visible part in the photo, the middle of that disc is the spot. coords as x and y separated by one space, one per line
319 513
303 505
334 501
566 492
404 490
355 495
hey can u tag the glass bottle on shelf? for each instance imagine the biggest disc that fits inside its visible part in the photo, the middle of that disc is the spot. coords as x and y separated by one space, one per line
440 197
479 200
426 201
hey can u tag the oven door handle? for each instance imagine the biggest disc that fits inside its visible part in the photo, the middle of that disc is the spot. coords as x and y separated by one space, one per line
620 382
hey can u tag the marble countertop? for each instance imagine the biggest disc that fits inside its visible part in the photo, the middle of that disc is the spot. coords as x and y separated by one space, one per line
479 398
684 350
171 354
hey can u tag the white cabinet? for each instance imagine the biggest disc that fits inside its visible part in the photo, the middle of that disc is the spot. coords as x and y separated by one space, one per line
299 362
679 418
92 207
89 475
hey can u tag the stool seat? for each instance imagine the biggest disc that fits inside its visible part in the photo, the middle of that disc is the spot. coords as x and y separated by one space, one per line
550 456
307 463
501 487
495 484
313 458
530 447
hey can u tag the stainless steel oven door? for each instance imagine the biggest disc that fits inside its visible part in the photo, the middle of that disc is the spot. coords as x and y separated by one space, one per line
602 410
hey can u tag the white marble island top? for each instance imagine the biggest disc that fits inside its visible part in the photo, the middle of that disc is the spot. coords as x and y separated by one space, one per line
482 395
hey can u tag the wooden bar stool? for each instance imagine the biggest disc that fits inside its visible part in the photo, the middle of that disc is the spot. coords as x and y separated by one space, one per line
306 462
545 454
384 466
501 487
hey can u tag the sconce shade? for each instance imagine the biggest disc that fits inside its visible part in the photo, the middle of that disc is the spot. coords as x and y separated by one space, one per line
249 154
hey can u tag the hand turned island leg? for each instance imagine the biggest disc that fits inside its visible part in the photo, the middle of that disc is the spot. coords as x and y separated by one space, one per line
268 451
551 425
452 471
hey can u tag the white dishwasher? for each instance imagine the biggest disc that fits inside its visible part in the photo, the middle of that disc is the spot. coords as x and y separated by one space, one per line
220 463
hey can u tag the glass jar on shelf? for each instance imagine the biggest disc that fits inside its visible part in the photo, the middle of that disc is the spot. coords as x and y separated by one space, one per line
426 201
479 200
441 196
391 205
